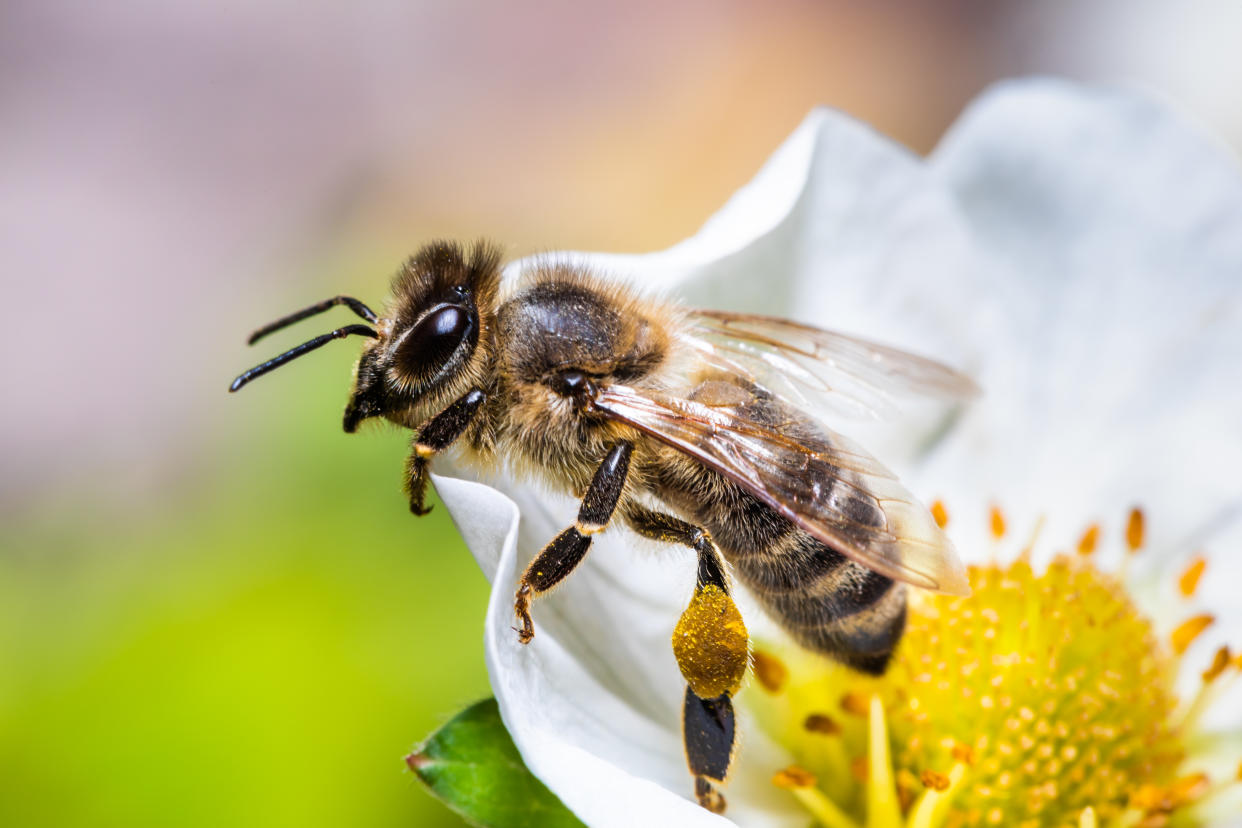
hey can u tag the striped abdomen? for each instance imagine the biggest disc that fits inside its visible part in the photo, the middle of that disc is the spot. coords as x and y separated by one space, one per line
827 602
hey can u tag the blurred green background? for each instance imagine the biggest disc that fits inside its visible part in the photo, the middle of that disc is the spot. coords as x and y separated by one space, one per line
261 649
216 610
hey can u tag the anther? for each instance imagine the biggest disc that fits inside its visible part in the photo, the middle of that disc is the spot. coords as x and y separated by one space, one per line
1189 580
940 514
819 723
855 704
997 523
793 777
1089 539
935 781
769 670
1188 631
1220 662
1134 530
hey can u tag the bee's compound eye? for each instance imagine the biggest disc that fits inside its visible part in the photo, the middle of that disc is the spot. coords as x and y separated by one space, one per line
434 339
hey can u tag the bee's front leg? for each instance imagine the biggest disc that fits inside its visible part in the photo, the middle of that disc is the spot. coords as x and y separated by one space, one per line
437 434
712 649
567 549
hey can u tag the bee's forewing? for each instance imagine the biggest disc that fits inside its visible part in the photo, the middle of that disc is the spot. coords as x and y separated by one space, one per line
817 369
838 493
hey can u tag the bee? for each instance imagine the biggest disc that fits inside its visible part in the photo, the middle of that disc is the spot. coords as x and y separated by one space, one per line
691 427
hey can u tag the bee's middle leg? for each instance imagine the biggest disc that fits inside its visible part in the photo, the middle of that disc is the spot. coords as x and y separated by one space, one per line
566 550
712 649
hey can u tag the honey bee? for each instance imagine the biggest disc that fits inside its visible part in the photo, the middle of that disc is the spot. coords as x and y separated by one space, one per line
631 401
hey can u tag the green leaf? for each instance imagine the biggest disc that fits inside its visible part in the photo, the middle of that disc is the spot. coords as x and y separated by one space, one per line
472 765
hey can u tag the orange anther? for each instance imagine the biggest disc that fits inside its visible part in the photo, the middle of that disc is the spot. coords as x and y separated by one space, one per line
1188 788
935 781
770 671
819 723
1134 530
1188 631
1086 544
856 704
940 514
998 523
793 777
1189 580
964 753
1219 662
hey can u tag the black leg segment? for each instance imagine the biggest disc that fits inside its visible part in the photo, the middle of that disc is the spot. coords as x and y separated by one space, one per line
567 549
437 434
708 729
662 527
605 490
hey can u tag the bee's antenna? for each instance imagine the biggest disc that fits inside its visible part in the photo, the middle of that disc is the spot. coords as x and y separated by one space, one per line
305 347
319 307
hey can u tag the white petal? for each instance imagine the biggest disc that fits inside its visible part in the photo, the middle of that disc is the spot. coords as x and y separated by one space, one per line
1113 233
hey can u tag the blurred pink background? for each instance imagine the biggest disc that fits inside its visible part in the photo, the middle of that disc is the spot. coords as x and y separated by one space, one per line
176 173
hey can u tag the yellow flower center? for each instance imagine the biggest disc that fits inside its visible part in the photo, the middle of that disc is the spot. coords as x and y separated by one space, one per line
1045 698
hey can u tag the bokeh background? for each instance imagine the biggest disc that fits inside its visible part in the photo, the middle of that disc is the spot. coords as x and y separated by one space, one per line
215 610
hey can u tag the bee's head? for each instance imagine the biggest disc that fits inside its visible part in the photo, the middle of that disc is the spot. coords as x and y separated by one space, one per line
431 346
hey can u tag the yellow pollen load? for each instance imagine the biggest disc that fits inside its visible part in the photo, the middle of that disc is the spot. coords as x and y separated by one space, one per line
711 644
1044 698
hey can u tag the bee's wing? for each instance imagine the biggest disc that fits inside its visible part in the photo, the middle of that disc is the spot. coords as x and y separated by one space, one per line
815 368
836 491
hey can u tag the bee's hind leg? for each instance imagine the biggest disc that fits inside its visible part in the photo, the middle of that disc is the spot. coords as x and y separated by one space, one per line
712 649
564 552
707 728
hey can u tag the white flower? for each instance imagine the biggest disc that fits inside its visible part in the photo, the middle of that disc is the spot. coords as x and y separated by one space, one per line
1078 251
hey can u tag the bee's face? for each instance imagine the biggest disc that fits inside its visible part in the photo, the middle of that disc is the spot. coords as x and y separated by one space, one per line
428 348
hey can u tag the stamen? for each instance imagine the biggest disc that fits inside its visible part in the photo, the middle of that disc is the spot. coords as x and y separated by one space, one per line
801 783
1219 662
1071 684
1188 631
935 801
998 523
856 704
769 670
1181 792
1134 530
882 805
935 781
1189 581
1086 544
819 723
940 514
794 777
